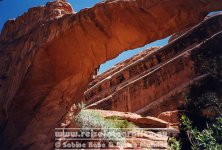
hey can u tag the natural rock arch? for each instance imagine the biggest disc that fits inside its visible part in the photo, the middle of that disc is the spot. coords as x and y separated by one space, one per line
47 56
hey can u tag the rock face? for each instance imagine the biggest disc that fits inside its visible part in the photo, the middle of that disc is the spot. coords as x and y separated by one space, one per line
154 81
171 116
148 122
142 133
48 55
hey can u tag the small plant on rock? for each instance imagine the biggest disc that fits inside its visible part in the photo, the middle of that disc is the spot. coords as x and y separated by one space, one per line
91 119
174 144
121 123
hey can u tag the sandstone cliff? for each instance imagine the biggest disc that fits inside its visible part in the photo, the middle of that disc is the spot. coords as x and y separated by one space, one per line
47 57
156 78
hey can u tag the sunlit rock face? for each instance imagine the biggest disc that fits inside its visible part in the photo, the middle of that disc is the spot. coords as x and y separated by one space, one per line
155 80
48 55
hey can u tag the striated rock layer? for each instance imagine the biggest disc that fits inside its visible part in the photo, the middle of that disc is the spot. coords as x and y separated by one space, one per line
48 55
154 81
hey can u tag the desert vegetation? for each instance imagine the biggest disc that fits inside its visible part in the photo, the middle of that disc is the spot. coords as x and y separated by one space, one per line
202 124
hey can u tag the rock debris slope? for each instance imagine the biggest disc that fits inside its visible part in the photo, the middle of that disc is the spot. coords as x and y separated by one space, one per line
48 55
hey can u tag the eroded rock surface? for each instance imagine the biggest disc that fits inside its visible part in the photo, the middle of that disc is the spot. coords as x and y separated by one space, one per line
48 55
156 80
149 122
140 133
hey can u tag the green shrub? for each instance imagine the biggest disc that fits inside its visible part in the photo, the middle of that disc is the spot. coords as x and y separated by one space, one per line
217 129
203 101
81 106
121 123
208 101
174 144
88 119
207 139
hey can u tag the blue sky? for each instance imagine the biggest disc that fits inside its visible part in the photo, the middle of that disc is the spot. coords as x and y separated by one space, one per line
125 55
12 8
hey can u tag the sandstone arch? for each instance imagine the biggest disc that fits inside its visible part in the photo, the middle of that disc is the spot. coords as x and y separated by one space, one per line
47 56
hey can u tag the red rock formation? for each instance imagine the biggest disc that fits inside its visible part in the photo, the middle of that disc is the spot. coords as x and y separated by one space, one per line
148 122
152 139
170 116
155 81
144 132
47 57
173 117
